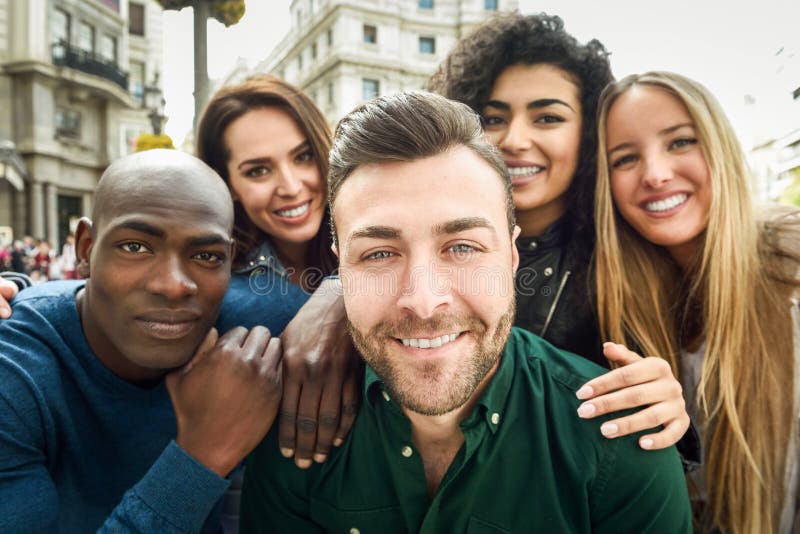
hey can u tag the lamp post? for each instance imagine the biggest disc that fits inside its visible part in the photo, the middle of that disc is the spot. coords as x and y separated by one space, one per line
154 101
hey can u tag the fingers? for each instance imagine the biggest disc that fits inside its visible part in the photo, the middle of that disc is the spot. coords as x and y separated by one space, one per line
7 292
307 422
619 354
638 372
328 419
652 417
287 419
658 391
351 394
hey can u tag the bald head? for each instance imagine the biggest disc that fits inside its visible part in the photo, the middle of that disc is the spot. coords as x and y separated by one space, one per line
170 176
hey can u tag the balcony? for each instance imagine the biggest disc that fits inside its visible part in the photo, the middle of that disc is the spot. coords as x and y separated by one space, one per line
88 62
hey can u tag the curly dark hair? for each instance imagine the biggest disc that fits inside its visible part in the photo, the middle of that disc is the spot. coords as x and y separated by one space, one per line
507 39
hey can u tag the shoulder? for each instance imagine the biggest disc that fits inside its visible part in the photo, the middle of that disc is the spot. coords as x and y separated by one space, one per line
779 242
33 339
559 365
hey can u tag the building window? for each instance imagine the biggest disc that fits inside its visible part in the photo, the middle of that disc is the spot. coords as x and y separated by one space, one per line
330 92
369 88
330 37
796 94
135 18
490 5
313 50
68 123
86 37
59 26
425 4
427 45
370 34
108 48
136 81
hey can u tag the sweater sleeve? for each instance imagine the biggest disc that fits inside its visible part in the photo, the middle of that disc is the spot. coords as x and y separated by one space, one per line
176 495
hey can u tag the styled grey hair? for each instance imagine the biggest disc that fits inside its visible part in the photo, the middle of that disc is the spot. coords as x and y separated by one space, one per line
408 126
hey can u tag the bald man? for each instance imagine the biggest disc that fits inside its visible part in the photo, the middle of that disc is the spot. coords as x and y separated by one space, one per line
120 409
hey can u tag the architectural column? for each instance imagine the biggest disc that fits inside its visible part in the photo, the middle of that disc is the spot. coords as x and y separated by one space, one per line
51 215
37 227
20 213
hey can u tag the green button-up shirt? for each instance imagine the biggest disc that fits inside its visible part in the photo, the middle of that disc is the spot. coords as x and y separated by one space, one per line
528 464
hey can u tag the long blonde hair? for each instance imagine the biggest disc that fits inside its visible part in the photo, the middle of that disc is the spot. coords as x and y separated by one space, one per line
731 295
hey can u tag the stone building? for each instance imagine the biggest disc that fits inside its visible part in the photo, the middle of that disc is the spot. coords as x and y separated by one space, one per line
74 76
342 52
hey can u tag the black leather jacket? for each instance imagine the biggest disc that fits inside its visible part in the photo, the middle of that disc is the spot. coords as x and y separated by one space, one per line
554 296
555 300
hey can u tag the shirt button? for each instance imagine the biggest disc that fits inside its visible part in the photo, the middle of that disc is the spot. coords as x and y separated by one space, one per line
385 395
548 271
532 245
354 530
495 418
407 451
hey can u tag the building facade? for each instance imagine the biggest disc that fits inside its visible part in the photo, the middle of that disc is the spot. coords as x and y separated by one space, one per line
73 79
342 52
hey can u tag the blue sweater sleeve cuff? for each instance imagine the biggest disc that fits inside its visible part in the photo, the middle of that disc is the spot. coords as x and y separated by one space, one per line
181 489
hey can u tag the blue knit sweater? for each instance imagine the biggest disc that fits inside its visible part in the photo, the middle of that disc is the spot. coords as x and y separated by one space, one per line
80 448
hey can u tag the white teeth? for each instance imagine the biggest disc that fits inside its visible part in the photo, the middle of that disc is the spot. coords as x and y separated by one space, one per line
667 203
296 212
425 343
524 171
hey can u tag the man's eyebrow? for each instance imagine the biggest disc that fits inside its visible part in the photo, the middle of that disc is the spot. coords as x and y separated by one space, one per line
209 240
155 231
374 232
143 227
465 223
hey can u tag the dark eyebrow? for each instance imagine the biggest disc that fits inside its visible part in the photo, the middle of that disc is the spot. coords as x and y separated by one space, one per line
535 104
149 229
665 131
143 227
374 232
305 144
209 240
465 223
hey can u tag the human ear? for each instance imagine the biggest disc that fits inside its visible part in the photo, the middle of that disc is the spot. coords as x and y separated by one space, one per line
83 246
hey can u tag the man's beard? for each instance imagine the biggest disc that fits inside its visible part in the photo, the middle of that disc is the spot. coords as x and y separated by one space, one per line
439 386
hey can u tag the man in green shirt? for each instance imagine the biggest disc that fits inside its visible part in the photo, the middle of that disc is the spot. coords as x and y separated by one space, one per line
467 425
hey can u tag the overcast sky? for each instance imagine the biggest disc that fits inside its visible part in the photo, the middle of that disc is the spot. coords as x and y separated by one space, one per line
748 56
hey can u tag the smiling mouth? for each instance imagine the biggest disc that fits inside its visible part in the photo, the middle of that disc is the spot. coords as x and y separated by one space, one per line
666 204
429 343
519 172
294 212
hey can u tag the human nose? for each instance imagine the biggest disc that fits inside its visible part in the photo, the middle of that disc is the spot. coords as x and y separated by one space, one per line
426 289
171 280
657 171
518 137
290 183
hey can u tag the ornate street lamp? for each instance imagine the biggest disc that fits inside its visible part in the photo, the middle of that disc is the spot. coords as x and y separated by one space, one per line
154 101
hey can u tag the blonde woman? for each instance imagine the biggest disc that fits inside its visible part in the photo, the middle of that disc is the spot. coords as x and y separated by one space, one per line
688 272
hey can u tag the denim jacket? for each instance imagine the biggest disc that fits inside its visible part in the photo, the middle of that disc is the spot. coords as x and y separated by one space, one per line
261 293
